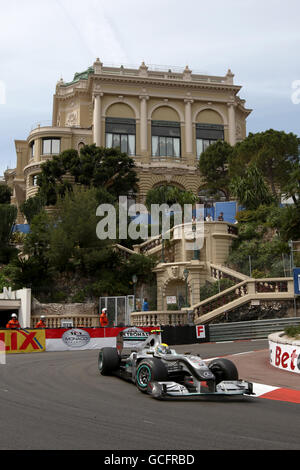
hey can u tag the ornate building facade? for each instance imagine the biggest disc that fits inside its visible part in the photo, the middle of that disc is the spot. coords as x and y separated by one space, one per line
163 119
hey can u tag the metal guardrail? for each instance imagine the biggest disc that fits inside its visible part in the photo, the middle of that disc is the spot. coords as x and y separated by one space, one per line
257 329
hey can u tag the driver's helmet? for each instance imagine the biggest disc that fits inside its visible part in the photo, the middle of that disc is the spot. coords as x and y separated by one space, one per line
163 349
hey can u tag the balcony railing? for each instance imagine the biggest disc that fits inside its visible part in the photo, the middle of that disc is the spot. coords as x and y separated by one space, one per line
159 318
246 291
55 321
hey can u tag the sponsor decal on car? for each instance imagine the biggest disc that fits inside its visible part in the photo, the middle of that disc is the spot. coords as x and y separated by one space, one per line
134 336
134 333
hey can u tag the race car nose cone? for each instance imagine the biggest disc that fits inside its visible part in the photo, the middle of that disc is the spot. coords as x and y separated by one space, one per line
155 389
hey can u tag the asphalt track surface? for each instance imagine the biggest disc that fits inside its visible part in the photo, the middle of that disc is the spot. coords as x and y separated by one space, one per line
59 401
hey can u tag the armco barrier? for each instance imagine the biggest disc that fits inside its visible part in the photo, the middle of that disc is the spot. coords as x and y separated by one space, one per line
257 329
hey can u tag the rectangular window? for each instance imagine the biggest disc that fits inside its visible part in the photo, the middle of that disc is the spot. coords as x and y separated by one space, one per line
116 140
131 144
121 133
206 135
32 145
46 147
51 146
166 139
109 139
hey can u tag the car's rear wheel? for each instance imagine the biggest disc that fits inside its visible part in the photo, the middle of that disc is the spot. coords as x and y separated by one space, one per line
108 361
223 369
148 371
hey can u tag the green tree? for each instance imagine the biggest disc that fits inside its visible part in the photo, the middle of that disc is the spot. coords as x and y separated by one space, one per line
213 165
32 207
250 189
291 188
65 241
274 153
8 215
5 194
97 167
169 195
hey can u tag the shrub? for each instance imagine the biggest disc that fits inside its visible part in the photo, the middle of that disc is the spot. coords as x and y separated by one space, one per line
292 331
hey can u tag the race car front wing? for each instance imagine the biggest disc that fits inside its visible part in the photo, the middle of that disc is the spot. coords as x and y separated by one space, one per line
173 389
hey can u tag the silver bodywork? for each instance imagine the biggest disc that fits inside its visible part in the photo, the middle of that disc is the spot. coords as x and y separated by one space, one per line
200 379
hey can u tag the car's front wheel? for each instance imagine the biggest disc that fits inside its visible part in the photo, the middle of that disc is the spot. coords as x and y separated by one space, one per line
223 369
108 361
148 371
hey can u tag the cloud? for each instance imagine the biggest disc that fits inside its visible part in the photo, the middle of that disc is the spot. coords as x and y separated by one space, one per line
93 28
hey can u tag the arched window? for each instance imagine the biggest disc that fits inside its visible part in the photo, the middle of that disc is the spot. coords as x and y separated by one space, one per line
80 146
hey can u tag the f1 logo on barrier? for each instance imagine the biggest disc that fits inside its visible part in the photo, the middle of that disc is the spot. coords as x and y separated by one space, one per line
23 341
200 332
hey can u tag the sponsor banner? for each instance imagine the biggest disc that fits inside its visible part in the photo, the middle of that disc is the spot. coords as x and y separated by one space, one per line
94 338
285 356
23 341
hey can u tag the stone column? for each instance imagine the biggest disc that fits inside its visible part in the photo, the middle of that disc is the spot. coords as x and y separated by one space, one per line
143 124
231 123
188 127
97 120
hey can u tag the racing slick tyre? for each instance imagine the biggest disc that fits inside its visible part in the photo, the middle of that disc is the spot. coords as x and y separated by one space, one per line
108 361
223 369
148 371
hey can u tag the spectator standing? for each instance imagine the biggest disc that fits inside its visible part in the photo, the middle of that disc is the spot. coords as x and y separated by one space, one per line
13 323
145 306
41 323
103 318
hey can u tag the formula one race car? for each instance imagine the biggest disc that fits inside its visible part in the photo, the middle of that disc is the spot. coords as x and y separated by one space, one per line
160 371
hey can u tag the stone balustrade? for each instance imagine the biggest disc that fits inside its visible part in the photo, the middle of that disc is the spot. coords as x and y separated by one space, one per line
159 318
56 321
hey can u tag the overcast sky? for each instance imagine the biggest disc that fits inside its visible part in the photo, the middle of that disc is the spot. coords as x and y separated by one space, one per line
44 40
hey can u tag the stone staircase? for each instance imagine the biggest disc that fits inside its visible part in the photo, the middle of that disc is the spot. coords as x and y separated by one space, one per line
246 290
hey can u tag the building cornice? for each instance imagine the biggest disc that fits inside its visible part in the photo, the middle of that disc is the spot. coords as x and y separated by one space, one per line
52 131
36 166
164 83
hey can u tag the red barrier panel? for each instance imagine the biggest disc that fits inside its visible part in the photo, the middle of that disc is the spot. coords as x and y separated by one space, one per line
94 338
